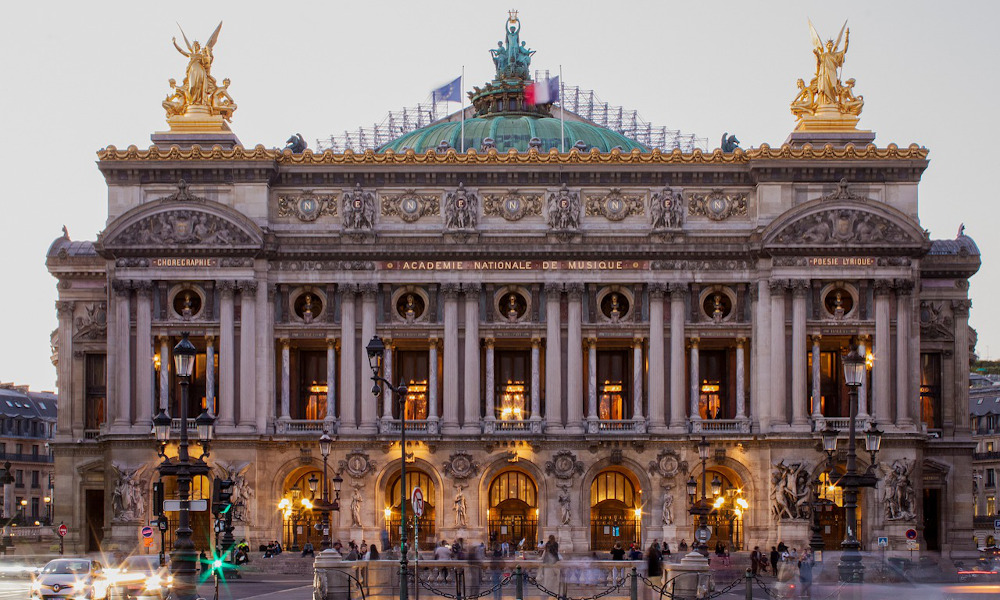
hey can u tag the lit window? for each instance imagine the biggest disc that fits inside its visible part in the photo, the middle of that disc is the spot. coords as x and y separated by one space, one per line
991 505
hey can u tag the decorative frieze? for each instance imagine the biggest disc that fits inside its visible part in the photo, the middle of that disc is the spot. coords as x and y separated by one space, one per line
307 206
410 206
614 205
700 265
323 265
513 205
718 205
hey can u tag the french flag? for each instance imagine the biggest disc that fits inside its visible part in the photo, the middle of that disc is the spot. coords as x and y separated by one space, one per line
545 91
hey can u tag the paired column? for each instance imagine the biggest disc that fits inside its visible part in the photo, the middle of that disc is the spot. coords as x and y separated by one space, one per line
210 374
387 372
64 418
536 375
863 344
761 369
657 381
331 374
637 378
471 422
348 358
432 379
883 353
227 347
369 293
591 379
800 407
741 394
285 379
451 395
695 381
904 315
144 354
553 356
678 291
817 403
165 363
779 390
574 358
248 355
491 381
120 368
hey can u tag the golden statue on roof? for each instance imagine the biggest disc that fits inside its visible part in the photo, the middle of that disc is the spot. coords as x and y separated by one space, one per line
199 103
827 104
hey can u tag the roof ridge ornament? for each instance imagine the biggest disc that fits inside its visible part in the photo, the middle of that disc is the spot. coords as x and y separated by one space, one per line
827 104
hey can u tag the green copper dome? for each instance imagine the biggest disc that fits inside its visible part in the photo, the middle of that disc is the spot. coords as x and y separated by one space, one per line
512 131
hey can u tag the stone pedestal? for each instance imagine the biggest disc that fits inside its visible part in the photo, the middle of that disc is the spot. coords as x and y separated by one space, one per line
571 539
691 577
125 537
330 580
794 532
818 139
668 534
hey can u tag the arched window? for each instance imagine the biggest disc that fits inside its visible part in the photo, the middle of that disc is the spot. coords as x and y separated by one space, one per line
426 532
615 511
512 515
301 489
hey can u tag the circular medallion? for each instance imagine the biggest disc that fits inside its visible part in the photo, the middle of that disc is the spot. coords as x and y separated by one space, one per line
308 208
614 208
409 209
513 208
717 207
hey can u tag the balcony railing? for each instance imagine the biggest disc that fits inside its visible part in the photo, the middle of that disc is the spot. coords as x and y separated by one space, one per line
304 427
416 427
15 457
985 521
513 426
720 426
175 425
840 423
616 426
986 455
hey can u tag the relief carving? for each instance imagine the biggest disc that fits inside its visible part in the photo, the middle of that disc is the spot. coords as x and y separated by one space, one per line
789 491
307 206
666 209
410 206
357 464
934 323
841 226
513 205
564 211
242 490
718 205
614 205
461 210
93 324
564 465
460 465
359 210
183 227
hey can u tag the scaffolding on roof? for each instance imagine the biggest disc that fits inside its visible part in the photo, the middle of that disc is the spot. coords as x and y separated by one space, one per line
585 103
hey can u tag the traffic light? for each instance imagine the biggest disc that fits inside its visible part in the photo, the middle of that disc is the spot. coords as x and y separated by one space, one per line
158 497
222 496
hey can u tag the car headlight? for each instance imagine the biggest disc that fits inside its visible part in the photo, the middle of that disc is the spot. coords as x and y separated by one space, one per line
36 586
154 582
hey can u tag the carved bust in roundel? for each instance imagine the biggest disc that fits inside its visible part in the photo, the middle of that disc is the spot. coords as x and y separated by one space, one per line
564 465
461 466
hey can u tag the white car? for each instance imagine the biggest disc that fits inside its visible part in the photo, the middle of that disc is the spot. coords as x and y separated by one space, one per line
76 578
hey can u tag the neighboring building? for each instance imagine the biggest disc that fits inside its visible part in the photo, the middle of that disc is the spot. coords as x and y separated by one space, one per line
984 406
27 426
569 325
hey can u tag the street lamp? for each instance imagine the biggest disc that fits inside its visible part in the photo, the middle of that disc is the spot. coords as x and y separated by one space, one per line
184 468
701 507
376 353
323 505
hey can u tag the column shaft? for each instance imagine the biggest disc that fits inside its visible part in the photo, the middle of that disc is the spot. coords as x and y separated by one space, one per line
553 357
883 355
863 400
637 371
491 382
574 359
348 358
904 302
761 372
227 354
210 375
144 355
471 421
536 375
657 380
331 375
695 382
677 396
286 379
165 363
248 355
387 372
741 402
778 400
817 408
432 379
800 408
451 393
368 403
64 418
122 367
592 378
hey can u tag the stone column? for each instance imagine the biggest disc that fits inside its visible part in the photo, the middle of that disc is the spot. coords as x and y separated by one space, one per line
778 399
144 355
904 315
210 374
817 408
637 378
471 422
883 355
286 377
263 351
553 357
348 359
800 408
695 381
574 358
491 382
536 376
331 385
591 379
432 379
960 311
864 342
387 372
64 418
741 385
122 368
451 396
761 372
657 380
369 294
248 357
227 363
165 363
678 291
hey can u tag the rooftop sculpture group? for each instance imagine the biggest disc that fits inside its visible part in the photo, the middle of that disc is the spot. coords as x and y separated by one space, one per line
514 60
827 103
199 102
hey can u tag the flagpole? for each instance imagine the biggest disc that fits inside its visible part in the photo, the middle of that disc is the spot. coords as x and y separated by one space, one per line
461 93
562 115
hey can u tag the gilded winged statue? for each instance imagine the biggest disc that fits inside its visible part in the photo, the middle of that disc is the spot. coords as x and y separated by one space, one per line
826 97
199 88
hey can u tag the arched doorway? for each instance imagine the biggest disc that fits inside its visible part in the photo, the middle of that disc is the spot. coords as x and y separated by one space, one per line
728 503
512 515
426 532
201 521
299 520
615 510
832 516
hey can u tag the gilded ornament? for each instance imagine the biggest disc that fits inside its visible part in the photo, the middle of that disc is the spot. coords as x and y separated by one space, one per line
410 206
307 206
614 205
512 206
199 104
718 205
826 103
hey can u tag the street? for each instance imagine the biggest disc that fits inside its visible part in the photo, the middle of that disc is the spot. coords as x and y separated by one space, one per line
262 587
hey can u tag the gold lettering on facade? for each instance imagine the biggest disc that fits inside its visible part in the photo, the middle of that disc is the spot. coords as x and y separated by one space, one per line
842 261
184 262
515 265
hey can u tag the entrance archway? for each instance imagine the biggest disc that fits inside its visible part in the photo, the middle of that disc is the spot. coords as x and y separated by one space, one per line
299 520
729 504
512 515
426 532
201 521
833 515
615 510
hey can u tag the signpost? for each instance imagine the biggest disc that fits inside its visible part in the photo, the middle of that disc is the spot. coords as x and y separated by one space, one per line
911 534
417 500
883 542
147 537
63 530
996 525
193 505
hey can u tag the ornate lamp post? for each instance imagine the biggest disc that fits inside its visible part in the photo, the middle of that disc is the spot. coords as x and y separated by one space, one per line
376 352
701 507
184 468
323 505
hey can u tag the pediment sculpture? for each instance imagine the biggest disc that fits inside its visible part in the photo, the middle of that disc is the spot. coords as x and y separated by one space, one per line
842 226
183 227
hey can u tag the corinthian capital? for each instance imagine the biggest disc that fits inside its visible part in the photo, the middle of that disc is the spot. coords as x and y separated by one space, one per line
883 287
777 286
65 308
450 290
678 291
574 290
658 290
121 287
904 287
248 288
800 287
961 307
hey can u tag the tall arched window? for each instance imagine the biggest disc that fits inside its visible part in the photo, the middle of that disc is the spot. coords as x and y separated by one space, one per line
426 532
513 509
615 511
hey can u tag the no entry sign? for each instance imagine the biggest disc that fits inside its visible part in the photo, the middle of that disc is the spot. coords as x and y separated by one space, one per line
417 499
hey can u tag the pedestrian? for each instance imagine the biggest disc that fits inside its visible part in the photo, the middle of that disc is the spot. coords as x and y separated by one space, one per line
442 552
307 550
805 573
683 546
775 555
496 571
654 561
549 574
665 550
617 552
755 557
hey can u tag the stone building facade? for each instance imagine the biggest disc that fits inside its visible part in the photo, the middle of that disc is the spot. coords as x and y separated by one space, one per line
569 325
984 410
27 426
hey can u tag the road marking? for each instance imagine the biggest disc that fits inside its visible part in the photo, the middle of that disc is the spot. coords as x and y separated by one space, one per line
277 594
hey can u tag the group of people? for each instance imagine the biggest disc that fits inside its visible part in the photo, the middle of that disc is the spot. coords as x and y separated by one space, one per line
785 564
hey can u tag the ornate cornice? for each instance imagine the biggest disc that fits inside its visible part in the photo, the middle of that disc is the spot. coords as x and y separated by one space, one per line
739 156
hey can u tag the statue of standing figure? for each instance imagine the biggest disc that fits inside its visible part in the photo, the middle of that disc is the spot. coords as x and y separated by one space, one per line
512 60
461 508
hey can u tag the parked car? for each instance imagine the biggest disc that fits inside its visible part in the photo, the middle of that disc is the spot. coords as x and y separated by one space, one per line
70 578
142 577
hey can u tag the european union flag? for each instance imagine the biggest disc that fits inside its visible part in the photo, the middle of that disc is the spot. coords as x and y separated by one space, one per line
451 92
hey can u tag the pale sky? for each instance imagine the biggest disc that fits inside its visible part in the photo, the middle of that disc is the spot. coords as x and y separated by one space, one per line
83 75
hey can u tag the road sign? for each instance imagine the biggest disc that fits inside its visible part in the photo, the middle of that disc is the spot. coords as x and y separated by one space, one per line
911 534
883 541
417 499
996 524
147 532
912 545
63 530
147 542
193 505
